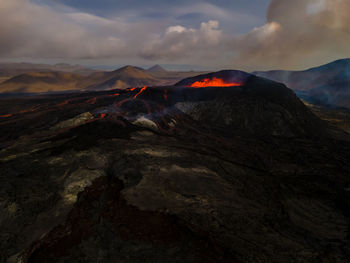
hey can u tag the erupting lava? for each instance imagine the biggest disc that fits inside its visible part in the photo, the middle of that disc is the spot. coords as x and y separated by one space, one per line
103 115
142 90
214 82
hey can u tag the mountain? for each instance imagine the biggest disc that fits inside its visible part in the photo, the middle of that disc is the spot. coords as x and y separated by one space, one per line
124 77
328 84
12 69
156 68
240 173
42 82
59 81
33 78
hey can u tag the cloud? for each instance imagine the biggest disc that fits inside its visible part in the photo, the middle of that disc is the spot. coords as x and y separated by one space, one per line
298 33
29 30
181 41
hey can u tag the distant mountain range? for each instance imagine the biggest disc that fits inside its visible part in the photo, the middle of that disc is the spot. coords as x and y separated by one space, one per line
122 78
43 78
42 82
12 69
328 84
156 68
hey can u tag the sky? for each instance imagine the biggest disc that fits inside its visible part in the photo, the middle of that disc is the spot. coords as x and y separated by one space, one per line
179 34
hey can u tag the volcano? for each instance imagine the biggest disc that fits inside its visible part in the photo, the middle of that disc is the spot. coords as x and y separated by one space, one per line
241 173
224 78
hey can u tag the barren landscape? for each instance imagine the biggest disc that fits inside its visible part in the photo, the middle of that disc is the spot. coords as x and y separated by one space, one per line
173 174
187 131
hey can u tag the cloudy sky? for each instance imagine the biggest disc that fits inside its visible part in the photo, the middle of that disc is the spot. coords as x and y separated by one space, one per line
198 34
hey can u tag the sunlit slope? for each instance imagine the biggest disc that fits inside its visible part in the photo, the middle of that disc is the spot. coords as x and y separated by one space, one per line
60 81
41 82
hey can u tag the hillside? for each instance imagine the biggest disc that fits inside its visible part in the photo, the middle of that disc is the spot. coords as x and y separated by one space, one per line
156 68
59 81
56 81
13 69
122 78
173 174
41 82
328 84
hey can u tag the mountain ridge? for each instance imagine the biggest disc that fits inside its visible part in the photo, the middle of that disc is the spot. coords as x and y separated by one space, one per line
327 84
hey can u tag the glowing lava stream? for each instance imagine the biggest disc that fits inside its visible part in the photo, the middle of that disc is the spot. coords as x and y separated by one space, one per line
63 103
112 95
142 90
214 82
6 115
92 101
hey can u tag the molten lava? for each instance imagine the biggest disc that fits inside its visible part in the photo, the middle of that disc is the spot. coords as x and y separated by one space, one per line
27 110
92 101
6 115
63 103
214 82
103 115
165 94
142 90
112 95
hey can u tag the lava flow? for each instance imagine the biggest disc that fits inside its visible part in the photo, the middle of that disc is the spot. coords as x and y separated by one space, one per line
142 90
214 82
115 94
28 110
63 103
92 101
6 115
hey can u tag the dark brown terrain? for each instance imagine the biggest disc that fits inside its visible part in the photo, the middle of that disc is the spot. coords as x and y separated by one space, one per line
173 174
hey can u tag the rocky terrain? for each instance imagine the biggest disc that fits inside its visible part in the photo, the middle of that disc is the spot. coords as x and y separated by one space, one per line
245 173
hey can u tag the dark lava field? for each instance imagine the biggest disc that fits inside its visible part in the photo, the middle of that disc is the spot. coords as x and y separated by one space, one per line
236 174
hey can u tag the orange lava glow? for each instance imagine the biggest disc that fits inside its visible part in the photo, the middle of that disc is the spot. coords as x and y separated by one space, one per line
112 95
131 89
165 94
92 101
28 110
63 103
6 115
142 90
214 82
103 115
